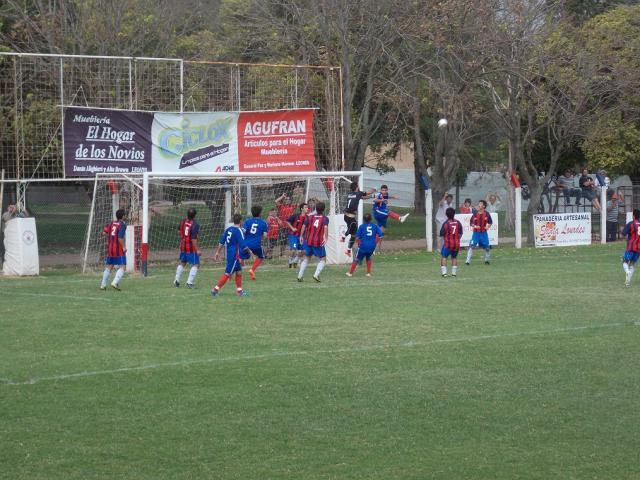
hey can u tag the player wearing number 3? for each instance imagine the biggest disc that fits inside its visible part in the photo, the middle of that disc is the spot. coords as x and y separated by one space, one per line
368 237
116 251
189 252
451 232
315 232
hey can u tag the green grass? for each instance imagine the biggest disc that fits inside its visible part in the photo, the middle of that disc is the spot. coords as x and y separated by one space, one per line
526 368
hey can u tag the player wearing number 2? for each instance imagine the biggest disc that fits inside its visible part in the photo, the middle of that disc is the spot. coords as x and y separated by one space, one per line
116 251
254 229
451 232
368 237
315 232
233 240
189 252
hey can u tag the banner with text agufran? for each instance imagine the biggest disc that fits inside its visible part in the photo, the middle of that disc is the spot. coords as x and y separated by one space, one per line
562 229
120 141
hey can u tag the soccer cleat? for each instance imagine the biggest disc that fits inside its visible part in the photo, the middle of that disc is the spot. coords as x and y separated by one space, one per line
403 217
295 265
349 274
103 287
115 286
176 283
252 275
444 275
627 280
367 275
317 279
290 265
454 274
467 263
242 293
486 262
189 285
300 279
215 293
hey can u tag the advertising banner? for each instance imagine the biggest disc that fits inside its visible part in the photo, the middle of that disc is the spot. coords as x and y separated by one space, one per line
562 229
122 141
465 220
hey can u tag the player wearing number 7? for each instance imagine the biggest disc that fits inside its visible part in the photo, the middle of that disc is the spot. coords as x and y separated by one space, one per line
368 237
315 232
116 251
189 252
451 232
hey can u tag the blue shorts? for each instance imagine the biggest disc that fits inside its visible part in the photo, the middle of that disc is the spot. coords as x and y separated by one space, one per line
122 260
480 239
445 252
630 256
233 265
319 252
258 252
381 218
294 242
362 254
192 258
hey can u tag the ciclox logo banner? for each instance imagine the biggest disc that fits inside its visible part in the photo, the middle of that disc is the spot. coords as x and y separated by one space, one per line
276 141
106 141
202 142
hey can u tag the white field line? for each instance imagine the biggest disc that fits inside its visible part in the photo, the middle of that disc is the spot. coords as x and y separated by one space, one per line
57 295
268 355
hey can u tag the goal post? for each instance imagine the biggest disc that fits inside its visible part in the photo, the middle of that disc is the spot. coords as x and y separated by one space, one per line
155 202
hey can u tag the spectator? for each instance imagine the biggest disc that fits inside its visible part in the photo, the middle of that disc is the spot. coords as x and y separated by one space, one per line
466 206
441 215
588 187
10 214
493 201
565 182
612 216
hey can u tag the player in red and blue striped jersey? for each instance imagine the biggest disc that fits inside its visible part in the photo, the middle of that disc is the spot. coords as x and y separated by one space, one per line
481 221
451 231
254 229
189 252
233 241
116 251
631 255
368 237
296 244
315 233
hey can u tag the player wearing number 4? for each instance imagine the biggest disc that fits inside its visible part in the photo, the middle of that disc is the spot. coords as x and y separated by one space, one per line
254 229
632 231
189 253
451 231
233 240
368 237
481 221
315 232
116 251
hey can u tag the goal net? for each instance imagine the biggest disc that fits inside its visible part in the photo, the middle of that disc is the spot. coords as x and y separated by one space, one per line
155 204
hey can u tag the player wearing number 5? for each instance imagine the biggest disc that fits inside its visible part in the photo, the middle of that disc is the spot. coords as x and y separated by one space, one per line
189 252
233 240
116 251
315 232
368 237
254 229
451 232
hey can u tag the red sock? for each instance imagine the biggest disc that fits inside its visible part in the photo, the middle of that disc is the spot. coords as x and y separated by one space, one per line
353 267
223 279
239 280
394 215
369 264
256 264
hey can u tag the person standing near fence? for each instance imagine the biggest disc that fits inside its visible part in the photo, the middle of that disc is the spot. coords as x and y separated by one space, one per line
612 216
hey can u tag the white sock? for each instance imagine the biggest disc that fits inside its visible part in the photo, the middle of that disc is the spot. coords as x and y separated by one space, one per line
625 267
303 267
630 271
192 274
118 277
454 269
443 269
319 268
107 272
179 271
469 253
487 256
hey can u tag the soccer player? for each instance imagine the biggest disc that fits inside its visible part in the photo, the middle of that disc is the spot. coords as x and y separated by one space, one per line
254 229
273 222
189 252
451 231
481 221
368 237
116 251
380 209
315 233
232 238
632 231
350 213
294 223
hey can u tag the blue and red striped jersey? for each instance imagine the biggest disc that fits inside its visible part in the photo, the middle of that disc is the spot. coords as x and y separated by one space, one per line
451 232
632 231
314 233
480 222
296 221
188 232
115 231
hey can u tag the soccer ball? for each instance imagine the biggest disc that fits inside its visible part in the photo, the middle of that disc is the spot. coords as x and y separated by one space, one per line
442 123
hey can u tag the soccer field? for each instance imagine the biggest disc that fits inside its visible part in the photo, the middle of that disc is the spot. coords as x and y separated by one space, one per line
525 368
